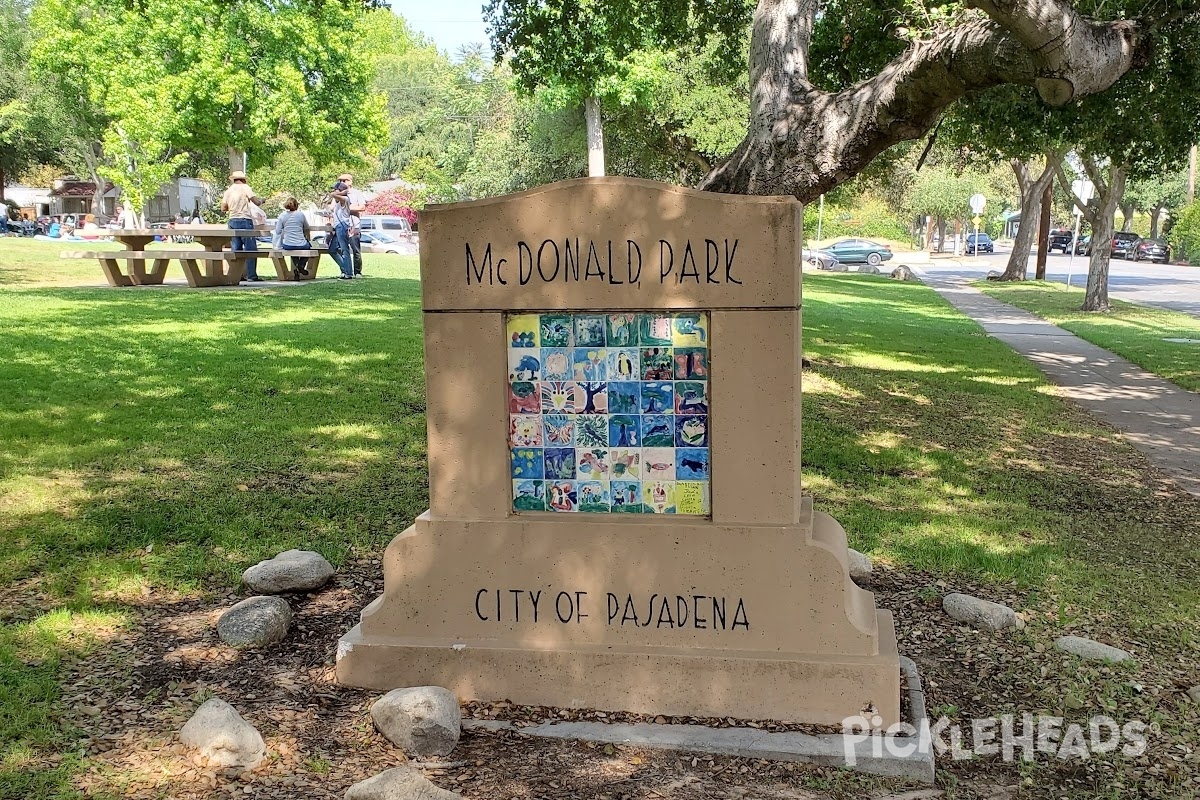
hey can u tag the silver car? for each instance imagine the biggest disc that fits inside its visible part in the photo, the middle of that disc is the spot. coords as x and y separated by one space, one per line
821 259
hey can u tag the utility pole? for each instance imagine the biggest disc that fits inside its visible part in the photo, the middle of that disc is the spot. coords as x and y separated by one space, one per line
1044 233
1191 194
595 137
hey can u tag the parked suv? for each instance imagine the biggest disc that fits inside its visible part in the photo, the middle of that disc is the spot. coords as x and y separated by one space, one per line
1123 244
1060 239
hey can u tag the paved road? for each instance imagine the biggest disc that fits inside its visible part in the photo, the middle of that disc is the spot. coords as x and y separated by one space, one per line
1175 288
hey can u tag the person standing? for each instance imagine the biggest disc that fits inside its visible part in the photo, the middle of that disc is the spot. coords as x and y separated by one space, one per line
339 246
236 202
357 204
291 233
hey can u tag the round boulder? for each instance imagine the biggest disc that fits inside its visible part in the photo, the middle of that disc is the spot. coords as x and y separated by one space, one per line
421 721
860 566
222 738
291 571
838 266
1091 650
400 783
978 613
255 622
903 273
868 269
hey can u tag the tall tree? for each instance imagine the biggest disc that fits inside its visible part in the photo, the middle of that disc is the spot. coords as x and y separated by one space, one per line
30 122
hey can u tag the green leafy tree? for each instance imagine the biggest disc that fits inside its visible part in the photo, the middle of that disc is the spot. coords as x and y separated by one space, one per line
30 121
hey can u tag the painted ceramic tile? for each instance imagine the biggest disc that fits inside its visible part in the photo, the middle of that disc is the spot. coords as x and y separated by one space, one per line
691 431
561 496
654 329
591 397
558 397
594 496
556 364
624 398
626 497
608 413
692 497
658 464
658 430
622 330
691 464
558 430
524 431
659 496
589 330
625 463
657 397
527 463
554 330
559 463
624 430
589 364
524 398
691 397
529 495
591 430
656 364
690 329
524 365
623 364
523 330
691 363
592 464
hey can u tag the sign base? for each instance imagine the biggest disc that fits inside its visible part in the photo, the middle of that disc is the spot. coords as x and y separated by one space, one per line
648 615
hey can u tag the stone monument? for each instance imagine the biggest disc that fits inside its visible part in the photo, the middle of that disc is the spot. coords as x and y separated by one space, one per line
615 520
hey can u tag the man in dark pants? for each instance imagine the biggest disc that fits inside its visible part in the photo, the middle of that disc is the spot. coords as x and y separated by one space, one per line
357 206
236 202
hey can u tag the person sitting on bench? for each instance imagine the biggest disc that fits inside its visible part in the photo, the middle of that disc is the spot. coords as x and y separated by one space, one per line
291 233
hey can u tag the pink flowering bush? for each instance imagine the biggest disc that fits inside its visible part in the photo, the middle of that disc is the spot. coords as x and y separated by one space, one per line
397 203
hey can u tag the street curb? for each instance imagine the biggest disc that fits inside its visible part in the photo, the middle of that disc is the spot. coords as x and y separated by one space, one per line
823 749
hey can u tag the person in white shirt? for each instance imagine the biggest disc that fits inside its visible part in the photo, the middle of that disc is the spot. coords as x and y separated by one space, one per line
357 205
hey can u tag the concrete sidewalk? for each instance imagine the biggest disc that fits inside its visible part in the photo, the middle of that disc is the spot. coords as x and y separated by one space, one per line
1156 416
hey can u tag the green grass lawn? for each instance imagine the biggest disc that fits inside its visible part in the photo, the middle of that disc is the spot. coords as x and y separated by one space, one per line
156 442
1136 333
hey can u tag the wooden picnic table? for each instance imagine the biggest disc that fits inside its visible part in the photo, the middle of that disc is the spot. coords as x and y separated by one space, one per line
210 265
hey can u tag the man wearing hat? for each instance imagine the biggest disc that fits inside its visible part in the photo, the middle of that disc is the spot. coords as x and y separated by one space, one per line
357 205
237 201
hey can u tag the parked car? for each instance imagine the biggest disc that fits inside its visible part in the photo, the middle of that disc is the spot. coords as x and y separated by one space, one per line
1152 250
858 251
1060 239
380 242
821 259
980 243
1123 244
1084 246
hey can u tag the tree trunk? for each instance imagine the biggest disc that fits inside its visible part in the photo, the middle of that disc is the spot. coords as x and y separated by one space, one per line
941 226
1043 248
1126 217
804 141
595 137
237 160
1108 196
1032 192
1154 216
1191 190
2 190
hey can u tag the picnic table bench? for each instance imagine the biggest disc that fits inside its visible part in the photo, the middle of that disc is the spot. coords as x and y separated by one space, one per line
210 265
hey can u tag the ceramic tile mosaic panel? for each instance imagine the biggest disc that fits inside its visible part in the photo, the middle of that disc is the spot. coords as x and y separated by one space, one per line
608 413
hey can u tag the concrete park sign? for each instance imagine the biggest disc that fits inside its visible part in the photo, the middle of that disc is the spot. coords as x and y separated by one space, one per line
615 521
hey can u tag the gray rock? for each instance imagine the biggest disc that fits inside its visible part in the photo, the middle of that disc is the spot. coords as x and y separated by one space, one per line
422 720
1091 650
860 566
868 269
291 571
903 273
838 267
1194 693
982 614
993 274
400 783
255 622
222 737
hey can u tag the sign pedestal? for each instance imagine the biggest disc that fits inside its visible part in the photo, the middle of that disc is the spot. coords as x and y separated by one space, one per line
735 602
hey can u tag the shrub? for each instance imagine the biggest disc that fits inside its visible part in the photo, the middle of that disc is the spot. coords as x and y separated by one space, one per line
868 218
1185 233
397 203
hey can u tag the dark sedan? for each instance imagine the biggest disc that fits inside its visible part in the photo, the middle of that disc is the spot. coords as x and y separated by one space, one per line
1152 250
980 243
858 251
1123 244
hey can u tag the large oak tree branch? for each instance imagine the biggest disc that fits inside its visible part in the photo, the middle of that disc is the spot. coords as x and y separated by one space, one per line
804 141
